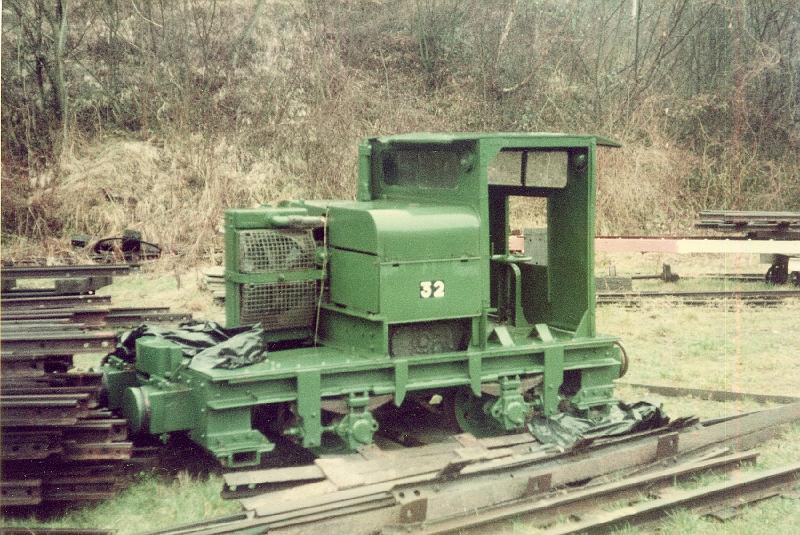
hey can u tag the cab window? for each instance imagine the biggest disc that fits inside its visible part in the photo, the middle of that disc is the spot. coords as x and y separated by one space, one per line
421 168
533 168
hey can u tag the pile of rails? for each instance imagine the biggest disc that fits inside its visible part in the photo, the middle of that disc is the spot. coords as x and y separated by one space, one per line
476 485
214 282
773 235
59 444
765 225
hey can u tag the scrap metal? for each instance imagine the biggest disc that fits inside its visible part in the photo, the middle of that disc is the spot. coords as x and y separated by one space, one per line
59 442
480 481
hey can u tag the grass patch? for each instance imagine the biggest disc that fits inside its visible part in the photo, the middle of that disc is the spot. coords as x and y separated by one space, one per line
152 502
748 349
741 348
181 290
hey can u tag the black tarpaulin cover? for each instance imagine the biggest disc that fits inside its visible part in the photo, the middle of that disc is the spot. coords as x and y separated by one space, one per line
566 430
208 344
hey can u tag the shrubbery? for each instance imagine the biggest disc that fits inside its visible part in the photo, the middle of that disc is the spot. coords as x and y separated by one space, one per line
159 115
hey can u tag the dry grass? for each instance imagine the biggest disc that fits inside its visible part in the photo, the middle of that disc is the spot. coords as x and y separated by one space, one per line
642 188
225 107
174 194
181 290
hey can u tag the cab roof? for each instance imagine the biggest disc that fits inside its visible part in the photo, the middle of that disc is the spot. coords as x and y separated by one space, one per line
529 139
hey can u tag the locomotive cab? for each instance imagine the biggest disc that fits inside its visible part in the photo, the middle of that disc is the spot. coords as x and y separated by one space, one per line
482 173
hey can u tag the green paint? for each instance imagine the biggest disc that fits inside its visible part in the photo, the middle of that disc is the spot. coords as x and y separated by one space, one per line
427 240
510 409
357 427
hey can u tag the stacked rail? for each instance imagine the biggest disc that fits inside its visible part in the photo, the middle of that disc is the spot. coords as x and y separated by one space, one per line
474 485
738 221
214 282
59 443
67 280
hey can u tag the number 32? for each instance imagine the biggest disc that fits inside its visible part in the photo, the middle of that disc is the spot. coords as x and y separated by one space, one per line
428 289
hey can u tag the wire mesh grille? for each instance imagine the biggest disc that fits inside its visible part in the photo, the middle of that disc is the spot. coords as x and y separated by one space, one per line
282 304
272 251
279 305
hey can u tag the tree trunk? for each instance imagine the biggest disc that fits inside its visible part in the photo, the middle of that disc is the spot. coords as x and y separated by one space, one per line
58 62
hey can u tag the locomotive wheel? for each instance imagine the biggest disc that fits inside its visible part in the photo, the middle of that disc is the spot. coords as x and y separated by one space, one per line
467 415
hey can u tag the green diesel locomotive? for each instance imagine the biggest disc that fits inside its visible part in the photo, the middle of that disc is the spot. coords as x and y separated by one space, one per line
410 291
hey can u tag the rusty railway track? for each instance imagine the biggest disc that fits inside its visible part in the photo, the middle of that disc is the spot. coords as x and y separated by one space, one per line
55 341
67 272
59 444
57 301
762 298
475 485
90 317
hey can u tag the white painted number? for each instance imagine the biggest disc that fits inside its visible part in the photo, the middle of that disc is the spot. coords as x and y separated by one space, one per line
428 289
438 288
425 289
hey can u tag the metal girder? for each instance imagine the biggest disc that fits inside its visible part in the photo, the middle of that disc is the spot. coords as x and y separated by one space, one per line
103 451
94 316
59 301
56 343
44 410
756 296
402 492
31 445
624 244
66 272
712 395
20 492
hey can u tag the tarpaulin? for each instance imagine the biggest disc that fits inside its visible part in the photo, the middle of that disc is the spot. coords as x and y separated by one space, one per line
567 430
214 345
243 349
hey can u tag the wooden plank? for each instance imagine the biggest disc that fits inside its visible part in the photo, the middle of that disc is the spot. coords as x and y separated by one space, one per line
548 509
233 480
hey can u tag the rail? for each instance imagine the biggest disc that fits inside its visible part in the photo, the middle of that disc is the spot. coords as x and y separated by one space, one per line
467 485
699 297
67 272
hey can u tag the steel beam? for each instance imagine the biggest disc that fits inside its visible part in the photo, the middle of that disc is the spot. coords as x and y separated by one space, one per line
712 395
734 491
766 296
59 343
66 272
59 301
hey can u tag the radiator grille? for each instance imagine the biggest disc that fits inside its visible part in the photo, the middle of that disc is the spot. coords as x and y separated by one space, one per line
272 251
282 304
